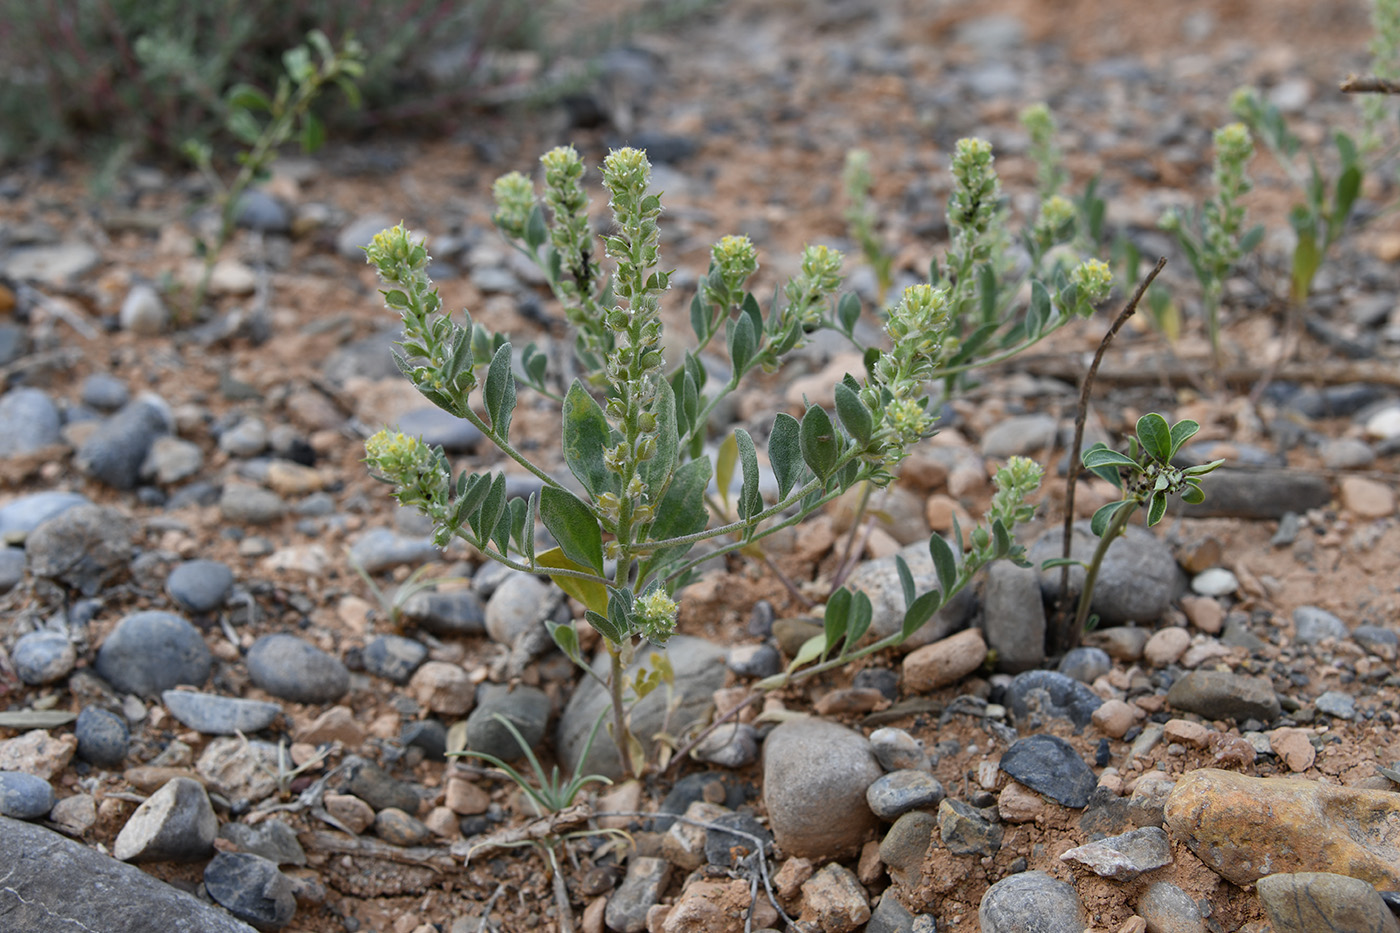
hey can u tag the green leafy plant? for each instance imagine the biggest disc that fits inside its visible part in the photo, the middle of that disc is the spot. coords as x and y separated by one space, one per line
287 111
1328 202
860 221
635 447
1147 477
1216 243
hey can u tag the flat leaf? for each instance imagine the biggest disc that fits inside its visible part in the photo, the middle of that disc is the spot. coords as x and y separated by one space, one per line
247 97
1201 469
848 312
566 637
656 472
1193 494
811 650
919 612
499 391
855 417
313 133
1156 508
1001 538
860 617
574 526
785 452
725 459
1307 259
1099 523
820 447
681 512
1099 456
743 342
1182 432
535 230
1054 562
606 627
836 617
906 581
750 499
945 563
1039 310
1155 437
592 593
585 436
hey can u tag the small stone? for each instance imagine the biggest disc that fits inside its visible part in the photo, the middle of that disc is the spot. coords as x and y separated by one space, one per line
907 841
810 759
244 770
897 750
245 504
1293 748
849 701
337 724
1205 613
519 604
143 312
1114 718
29 421
898 792
759 661
1186 732
628 906
443 688
175 824
393 657
733 838
115 451
258 210
1030 900
734 745
76 814
1312 624
1384 425
200 585
1013 616
43 657
944 662
272 839
291 669
374 786
1124 857
380 549
171 460
1165 908
966 831
1037 694
103 737
350 811
211 714
466 798
1217 581
439 428
1223 695
524 707
1121 642
1019 804
251 888
890 916
1019 435
1336 703
834 900
54 264
152 651
1367 498
1378 640
1138 578
1308 901
231 277
1346 453
398 828
1050 765
82 548
1166 646
24 796
1085 664
21 516
451 612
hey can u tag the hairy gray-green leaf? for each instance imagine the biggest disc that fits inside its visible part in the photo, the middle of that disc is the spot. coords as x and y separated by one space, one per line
586 435
573 526
499 391
856 418
820 446
785 452
750 499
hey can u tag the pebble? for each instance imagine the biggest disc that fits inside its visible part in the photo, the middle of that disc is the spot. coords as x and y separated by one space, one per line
1124 857
171 460
245 504
81 548
879 580
1085 665
1138 579
944 662
730 746
1019 804
1346 453
1217 581
272 839
231 277
1168 909
965 830
756 661
337 724
12 564
894 794
518 605
1166 646
1050 765
376 787
450 612
1245 827
291 669
810 759
104 391
438 428
24 796
1223 695
1031 900
639 891
358 233
1367 498
21 516
43 657
1293 748
251 888
1306 901
907 841
1311 624
1384 425
1013 617
258 210
244 770
29 421
175 824
247 438
1121 642
897 750
728 849
1036 694
1114 718
351 812
834 901
1338 704
37 752
1205 613
152 651
890 916
143 311
116 449
398 828
393 657
1378 640
53 264
380 549
200 585
1260 494
211 714
1019 435
443 688
103 737
76 814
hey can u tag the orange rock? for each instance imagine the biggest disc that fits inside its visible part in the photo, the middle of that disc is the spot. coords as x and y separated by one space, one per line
1244 828
944 662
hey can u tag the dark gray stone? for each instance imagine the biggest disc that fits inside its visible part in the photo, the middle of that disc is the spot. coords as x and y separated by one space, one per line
24 796
1166 907
200 585
1378 640
114 452
105 392
1258 494
103 737
1138 579
153 651
526 708
1050 765
439 428
451 612
394 657
175 824
1031 902
639 892
28 421
272 839
211 714
12 564
1224 695
258 210
728 849
376 787
291 669
1336 703
905 845
894 794
246 504
53 883
381 549
1086 665
251 888
1311 624
371 357
1037 694
890 916
757 661
82 548
1013 617
43 657
965 830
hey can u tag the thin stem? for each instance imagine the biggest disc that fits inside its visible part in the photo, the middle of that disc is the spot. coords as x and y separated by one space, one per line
561 891
1091 573
843 567
620 733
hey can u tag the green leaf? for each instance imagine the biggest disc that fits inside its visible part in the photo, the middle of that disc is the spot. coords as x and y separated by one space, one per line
607 627
313 133
750 309
246 97
1001 538
811 650
750 499
820 446
945 564
1039 310
592 593
853 414
681 512
860 617
656 472
1251 240
520 527
1156 508
919 612
1193 494
536 233
585 436
1307 259
1182 432
699 317
574 526
493 505
533 362
1099 523
499 391
245 126
1101 456
725 458
566 637
743 342
469 497
906 581
1155 437
1201 469
1348 189
785 452
848 312
1054 562
836 617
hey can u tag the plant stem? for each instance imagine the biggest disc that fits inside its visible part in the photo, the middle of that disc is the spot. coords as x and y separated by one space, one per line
619 730
561 891
1091 573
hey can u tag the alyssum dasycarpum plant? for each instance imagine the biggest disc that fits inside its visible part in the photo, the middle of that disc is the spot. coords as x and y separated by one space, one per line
634 448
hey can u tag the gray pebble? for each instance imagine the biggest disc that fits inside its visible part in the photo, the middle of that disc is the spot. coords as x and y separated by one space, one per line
1223 695
1308 901
153 651
258 210
176 823
1338 704
250 505
24 796
212 714
524 707
398 828
1086 665
1169 909
1124 857
521 602
26 513
639 892
1050 765
12 564
1346 453
727 849
1311 624
251 888
51 264
114 452
381 549
1037 694
1013 613
890 916
1376 639
754 660
247 438
374 786
394 657
171 459
965 830
43 657
102 736
898 792
358 233
1138 579
1216 581
1260 494
273 839
1031 900
730 746
28 421
143 311
291 669
105 392
807 760
897 750
81 548
1019 435
200 585
907 842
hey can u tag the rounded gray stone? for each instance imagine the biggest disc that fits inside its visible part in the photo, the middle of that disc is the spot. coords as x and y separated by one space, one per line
143 311
1013 617
1224 695
24 796
176 824
879 580
114 452
1086 665
809 760
23 515
520 603
894 794
43 657
82 548
907 842
1036 694
439 428
1019 435
103 737
153 651
212 714
28 421
291 669
1306 901
381 549
1031 901
250 505
447 612
394 657
251 888
1168 909
104 392
1311 624
1138 579
200 585
524 707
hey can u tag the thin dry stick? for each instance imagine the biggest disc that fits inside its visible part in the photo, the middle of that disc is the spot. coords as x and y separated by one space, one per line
1369 84
1080 415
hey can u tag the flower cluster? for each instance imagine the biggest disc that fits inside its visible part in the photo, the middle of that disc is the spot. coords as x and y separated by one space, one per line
732 260
1092 280
1224 218
1040 123
809 290
656 614
974 205
416 471
1055 222
515 200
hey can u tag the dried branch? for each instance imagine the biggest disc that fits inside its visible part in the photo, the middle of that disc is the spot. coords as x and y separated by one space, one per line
537 830
1368 84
